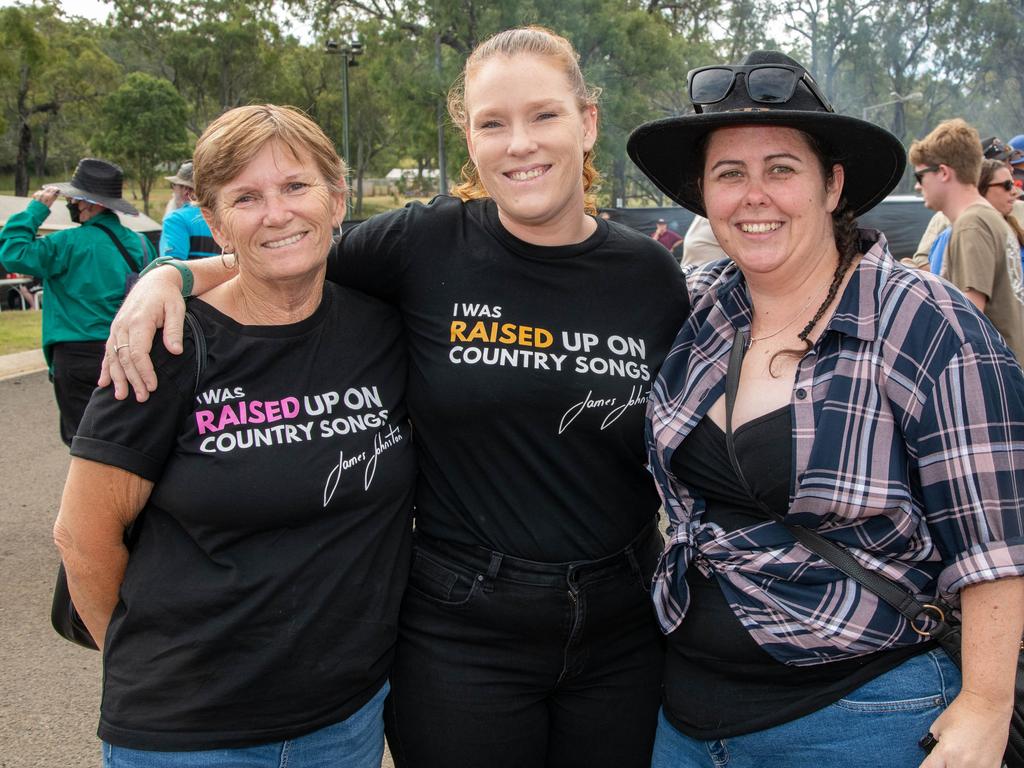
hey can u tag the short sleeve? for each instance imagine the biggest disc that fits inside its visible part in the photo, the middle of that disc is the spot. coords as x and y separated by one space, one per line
370 256
972 258
174 237
140 437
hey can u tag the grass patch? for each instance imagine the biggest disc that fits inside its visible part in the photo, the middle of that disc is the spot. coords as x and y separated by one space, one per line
20 331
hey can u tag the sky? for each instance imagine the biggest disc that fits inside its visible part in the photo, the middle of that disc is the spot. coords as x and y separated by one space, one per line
90 9
98 10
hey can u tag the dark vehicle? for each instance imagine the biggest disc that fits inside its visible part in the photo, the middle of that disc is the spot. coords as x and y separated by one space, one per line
902 218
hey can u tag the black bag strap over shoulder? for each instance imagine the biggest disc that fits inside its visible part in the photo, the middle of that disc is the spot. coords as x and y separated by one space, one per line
907 605
199 338
946 633
120 247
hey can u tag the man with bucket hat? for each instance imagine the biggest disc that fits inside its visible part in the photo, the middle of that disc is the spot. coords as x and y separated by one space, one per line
186 235
84 271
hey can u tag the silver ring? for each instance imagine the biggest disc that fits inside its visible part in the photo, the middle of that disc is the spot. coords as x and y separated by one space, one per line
119 347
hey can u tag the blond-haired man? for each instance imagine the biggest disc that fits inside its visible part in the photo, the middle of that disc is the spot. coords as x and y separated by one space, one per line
978 261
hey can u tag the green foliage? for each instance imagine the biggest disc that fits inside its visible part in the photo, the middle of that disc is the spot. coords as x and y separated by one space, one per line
144 128
53 74
965 57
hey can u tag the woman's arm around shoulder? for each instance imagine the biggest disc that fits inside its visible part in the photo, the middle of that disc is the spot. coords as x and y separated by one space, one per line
155 302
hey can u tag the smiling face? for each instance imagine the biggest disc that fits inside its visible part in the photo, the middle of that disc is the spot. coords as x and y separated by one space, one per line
1000 198
527 134
277 215
768 201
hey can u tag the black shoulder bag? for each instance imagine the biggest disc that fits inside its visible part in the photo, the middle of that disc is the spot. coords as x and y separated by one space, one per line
946 633
63 614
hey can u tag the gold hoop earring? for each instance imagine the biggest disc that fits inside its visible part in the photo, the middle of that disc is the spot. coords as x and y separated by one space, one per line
229 260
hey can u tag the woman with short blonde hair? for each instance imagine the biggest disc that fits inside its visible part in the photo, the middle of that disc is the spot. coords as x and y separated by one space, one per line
251 620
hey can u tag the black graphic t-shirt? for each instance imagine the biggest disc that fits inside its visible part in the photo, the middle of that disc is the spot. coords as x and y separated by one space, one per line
530 369
262 591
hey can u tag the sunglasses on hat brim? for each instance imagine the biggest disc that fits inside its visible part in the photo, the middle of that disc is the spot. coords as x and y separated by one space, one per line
765 83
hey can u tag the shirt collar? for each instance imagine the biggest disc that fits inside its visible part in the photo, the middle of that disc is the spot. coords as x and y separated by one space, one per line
857 313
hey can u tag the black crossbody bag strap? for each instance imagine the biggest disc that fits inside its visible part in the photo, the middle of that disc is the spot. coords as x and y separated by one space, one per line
896 596
121 248
199 338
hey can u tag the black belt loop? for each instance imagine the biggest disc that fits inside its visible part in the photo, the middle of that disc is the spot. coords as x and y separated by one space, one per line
633 562
492 571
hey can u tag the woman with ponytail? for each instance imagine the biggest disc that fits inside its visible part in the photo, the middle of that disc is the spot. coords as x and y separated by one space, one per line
818 383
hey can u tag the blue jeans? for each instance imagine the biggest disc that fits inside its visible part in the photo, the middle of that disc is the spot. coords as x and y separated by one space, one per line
355 742
509 663
879 724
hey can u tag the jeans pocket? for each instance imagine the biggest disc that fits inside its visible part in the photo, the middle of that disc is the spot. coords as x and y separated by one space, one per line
440 583
647 558
923 682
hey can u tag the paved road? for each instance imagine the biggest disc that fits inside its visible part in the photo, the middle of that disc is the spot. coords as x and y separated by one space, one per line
49 688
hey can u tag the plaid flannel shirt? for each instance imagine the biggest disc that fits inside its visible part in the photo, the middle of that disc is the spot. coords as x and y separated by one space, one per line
908 446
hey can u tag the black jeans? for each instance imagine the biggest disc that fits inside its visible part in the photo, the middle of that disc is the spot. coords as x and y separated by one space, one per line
76 367
507 662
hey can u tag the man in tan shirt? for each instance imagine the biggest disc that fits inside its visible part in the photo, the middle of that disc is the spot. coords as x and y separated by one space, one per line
978 261
991 149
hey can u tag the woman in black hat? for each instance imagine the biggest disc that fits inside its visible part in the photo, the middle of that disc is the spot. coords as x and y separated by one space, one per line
870 403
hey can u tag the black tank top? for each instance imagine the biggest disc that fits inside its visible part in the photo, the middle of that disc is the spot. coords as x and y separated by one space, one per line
719 682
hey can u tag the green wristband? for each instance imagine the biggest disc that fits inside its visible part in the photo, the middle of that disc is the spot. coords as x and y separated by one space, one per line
186 274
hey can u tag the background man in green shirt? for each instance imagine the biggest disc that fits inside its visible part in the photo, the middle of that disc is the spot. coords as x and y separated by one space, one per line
84 271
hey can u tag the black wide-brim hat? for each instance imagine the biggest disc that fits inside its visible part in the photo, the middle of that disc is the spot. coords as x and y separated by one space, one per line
98 181
667 150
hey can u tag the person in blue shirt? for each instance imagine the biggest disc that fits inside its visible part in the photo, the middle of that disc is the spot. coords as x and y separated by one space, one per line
186 235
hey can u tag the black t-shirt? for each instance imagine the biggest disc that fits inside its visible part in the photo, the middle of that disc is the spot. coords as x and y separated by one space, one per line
719 683
529 373
262 591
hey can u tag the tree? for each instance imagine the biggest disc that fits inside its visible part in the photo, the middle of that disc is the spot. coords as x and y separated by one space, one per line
218 54
145 128
46 65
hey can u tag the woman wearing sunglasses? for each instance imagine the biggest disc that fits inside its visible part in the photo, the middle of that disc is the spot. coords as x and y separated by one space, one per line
996 185
870 403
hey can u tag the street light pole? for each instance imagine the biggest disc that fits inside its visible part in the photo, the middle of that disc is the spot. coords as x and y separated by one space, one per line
348 50
442 158
344 109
